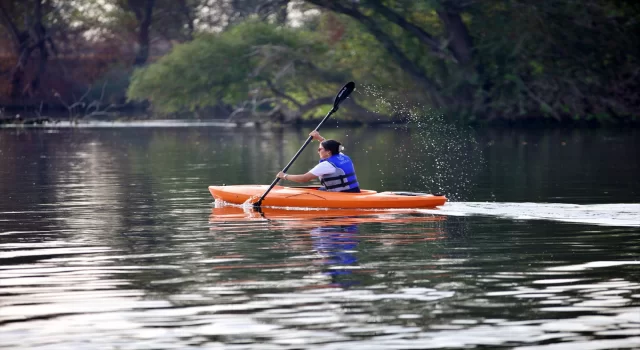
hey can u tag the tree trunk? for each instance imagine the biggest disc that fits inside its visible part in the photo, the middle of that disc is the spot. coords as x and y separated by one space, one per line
460 42
14 33
17 74
39 35
143 11
19 40
25 42
42 65
188 14
282 12
461 46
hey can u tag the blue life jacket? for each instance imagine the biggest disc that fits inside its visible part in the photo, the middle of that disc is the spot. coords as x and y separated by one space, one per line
344 176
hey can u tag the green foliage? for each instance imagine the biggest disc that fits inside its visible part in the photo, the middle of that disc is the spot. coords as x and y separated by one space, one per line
557 59
190 76
228 67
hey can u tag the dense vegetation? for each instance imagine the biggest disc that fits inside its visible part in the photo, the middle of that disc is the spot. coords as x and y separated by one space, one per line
477 61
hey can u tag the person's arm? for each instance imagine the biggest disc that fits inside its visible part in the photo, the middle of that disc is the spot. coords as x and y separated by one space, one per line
316 136
323 168
297 178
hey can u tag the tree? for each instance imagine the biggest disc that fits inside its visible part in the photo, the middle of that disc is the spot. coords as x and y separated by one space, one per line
510 59
257 67
457 48
25 25
143 11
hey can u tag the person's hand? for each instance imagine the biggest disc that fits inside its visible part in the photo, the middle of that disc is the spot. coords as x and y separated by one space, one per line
316 135
281 175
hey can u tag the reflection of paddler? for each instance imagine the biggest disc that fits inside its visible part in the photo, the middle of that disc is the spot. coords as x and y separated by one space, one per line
336 242
333 233
337 245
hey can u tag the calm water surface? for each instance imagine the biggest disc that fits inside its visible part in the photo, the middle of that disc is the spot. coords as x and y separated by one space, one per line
109 239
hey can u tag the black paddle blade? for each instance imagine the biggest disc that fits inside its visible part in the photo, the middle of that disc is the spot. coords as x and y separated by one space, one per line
343 94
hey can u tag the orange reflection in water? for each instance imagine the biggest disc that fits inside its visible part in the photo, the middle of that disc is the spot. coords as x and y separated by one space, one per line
241 220
332 235
313 217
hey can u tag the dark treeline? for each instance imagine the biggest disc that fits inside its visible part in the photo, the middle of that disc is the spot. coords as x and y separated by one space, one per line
558 61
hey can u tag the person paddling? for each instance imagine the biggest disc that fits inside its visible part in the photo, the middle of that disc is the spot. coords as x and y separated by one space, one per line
335 169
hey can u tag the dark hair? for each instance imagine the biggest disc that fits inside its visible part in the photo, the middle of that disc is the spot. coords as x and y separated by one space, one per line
332 146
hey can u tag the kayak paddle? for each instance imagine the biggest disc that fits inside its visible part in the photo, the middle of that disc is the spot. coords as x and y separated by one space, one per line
342 95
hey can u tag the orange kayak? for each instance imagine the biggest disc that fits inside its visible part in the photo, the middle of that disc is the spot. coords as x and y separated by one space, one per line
311 197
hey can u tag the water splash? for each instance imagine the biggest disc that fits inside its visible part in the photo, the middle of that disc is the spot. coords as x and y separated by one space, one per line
248 204
452 156
455 156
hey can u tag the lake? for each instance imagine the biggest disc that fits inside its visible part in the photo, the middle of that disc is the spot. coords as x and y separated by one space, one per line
109 239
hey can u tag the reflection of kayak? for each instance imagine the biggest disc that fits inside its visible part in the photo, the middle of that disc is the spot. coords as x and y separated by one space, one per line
311 197
319 217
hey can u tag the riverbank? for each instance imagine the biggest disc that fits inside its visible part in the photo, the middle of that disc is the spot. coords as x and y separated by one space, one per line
135 114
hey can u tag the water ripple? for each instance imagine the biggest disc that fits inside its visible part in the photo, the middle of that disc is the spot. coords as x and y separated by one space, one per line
108 240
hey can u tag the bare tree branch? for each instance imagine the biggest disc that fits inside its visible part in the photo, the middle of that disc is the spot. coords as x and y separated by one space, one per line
282 94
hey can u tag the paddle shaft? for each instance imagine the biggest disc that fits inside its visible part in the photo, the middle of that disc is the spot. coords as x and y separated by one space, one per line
259 202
